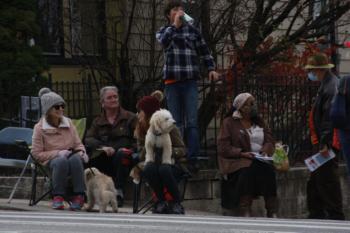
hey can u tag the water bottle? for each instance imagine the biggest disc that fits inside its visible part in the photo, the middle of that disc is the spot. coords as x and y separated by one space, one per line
188 19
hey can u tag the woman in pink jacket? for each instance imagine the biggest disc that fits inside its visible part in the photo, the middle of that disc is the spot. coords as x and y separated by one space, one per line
57 145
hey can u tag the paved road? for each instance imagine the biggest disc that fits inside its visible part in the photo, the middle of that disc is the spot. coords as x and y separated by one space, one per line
54 222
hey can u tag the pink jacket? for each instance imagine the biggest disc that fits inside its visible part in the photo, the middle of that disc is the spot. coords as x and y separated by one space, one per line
48 140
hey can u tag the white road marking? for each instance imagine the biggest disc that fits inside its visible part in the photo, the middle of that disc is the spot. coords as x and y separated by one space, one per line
112 216
115 225
127 219
97 216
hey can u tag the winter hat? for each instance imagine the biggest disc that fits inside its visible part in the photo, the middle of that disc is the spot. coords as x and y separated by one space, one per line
238 102
148 104
49 99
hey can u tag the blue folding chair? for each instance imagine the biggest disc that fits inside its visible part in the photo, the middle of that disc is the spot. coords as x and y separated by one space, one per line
22 139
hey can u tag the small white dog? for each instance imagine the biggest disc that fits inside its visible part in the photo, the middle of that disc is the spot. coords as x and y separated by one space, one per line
158 136
100 190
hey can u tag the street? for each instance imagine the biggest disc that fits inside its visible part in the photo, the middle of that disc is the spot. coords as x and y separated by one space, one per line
65 221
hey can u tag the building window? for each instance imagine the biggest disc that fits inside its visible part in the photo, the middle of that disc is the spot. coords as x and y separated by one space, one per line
86 26
50 20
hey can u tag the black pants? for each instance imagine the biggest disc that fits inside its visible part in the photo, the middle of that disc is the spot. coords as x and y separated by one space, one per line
259 179
324 196
163 175
117 166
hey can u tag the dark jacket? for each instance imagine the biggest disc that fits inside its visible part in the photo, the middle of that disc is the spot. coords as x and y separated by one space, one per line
344 89
118 135
234 139
178 147
321 110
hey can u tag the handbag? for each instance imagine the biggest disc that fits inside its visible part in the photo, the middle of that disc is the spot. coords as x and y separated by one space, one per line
280 157
338 113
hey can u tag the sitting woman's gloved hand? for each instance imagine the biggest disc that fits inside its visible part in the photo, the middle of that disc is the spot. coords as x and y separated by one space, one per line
64 153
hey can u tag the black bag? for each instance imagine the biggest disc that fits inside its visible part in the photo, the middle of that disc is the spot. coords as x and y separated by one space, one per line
338 113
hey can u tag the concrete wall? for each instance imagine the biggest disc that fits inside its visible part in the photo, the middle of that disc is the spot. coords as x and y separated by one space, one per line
291 192
203 192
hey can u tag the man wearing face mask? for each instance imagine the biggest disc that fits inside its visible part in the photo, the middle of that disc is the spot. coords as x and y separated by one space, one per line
242 135
324 197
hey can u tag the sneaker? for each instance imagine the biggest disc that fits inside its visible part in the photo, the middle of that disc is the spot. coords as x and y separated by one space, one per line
57 203
120 200
77 202
177 208
161 207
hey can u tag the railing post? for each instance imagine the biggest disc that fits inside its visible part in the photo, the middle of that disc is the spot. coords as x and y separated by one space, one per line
90 102
49 83
235 80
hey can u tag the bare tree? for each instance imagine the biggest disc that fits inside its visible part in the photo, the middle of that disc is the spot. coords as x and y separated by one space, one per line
134 58
247 24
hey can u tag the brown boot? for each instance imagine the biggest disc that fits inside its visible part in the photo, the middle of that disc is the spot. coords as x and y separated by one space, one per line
245 204
271 205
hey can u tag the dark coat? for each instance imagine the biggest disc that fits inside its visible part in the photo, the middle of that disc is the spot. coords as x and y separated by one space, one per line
344 89
321 110
234 139
118 135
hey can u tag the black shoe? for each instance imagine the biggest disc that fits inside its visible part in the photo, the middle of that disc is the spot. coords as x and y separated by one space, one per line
177 208
160 207
120 201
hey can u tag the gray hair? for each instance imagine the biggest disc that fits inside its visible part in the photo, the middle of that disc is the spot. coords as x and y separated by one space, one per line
105 89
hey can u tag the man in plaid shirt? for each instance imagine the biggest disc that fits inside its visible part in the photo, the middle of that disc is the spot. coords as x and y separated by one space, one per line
183 47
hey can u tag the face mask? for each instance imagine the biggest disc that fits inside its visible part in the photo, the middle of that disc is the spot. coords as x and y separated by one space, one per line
253 111
312 77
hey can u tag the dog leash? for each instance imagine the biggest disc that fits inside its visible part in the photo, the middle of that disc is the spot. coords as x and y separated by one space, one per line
76 151
92 171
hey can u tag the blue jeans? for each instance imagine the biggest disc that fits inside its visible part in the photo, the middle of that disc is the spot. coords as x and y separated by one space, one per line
345 144
182 101
61 168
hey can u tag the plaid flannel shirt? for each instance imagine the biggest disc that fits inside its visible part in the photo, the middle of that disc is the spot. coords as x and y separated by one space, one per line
183 48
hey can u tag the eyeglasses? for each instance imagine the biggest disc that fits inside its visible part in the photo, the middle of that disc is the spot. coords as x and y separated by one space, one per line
57 107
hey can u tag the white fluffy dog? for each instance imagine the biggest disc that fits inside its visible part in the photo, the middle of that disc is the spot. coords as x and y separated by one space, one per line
158 136
100 190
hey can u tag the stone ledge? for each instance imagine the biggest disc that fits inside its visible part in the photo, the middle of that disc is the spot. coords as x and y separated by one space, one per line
203 192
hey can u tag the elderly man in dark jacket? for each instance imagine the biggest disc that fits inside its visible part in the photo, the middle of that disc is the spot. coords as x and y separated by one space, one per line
111 136
323 188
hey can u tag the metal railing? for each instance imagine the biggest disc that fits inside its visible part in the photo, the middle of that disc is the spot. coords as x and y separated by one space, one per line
284 102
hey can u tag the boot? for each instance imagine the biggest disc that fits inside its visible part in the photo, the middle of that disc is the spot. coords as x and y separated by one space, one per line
245 204
271 205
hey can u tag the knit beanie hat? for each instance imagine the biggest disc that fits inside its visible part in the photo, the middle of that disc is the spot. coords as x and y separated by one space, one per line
148 104
48 99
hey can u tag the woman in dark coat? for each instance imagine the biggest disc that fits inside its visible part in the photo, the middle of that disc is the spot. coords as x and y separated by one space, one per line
161 176
243 134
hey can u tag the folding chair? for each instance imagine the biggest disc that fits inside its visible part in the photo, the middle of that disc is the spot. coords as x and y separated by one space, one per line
20 138
147 205
80 125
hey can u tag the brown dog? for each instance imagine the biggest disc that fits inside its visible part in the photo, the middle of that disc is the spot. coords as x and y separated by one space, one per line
100 190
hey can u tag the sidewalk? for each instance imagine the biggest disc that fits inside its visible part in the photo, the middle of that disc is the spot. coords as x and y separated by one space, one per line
45 206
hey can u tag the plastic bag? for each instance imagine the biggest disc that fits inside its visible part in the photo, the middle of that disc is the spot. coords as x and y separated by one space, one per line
280 157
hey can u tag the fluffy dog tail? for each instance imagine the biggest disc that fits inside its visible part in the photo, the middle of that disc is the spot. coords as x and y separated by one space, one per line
110 198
